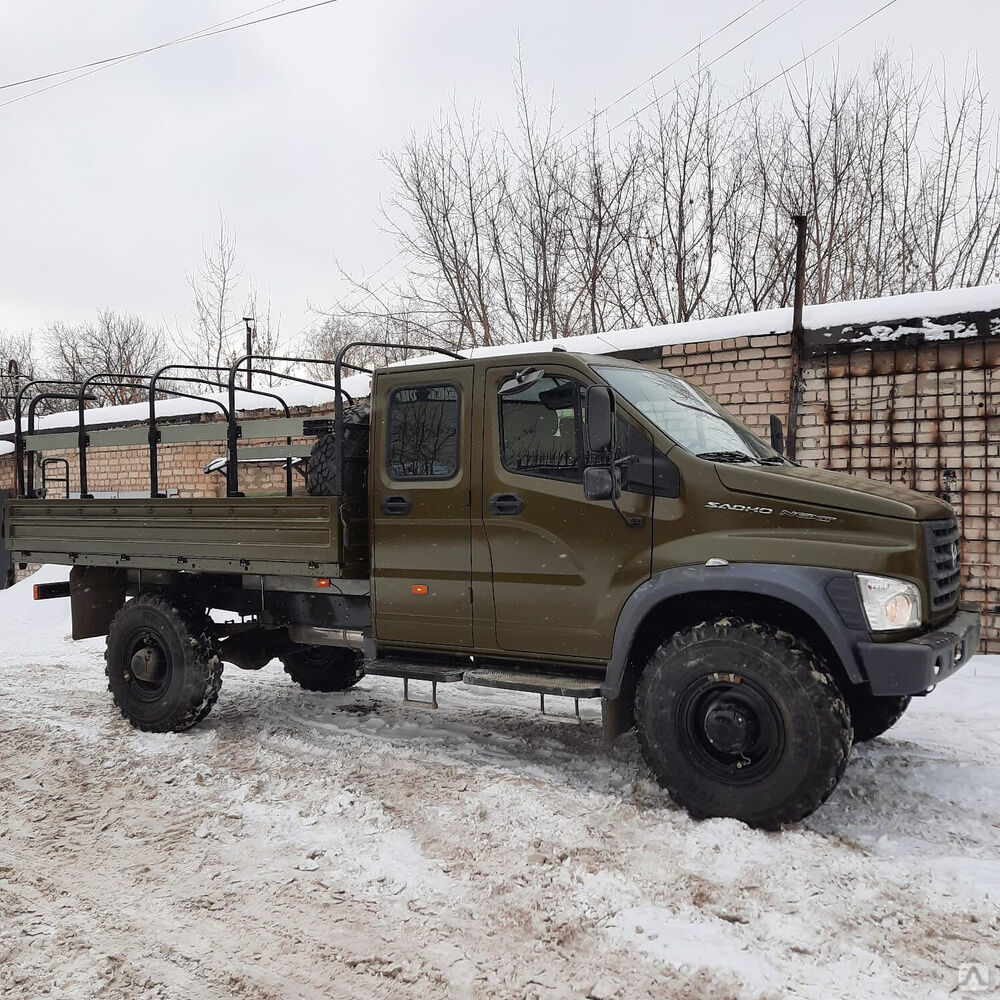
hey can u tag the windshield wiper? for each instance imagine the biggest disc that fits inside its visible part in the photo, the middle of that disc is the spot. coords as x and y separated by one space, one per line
727 456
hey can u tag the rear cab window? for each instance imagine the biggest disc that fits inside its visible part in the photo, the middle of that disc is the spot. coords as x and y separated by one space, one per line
423 432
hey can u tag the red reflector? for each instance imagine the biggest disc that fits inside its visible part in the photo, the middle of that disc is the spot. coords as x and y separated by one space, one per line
34 591
323 583
420 589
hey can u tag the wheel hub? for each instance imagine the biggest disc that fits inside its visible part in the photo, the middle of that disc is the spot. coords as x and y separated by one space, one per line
729 727
148 664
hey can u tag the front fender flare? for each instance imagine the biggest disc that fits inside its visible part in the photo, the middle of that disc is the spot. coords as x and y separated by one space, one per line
803 587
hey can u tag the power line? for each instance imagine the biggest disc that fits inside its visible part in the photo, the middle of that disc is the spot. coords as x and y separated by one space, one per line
740 100
670 65
804 59
221 28
743 41
370 293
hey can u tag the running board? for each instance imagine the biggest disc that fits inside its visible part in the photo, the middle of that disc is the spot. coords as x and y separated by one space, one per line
436 673
441 673
556 685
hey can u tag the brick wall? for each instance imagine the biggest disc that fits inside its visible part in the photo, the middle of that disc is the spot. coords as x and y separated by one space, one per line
751 378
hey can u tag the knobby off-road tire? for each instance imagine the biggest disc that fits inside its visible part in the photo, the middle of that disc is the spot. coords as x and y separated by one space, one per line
321 473
741 719
872 714
324 668
172 647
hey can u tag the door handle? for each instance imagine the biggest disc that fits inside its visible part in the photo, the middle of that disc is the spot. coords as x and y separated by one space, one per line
505 504
396 506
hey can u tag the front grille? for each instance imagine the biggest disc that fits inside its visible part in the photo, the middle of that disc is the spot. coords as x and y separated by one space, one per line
944 564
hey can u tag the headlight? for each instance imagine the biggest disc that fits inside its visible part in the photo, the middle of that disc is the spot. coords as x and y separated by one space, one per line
889 604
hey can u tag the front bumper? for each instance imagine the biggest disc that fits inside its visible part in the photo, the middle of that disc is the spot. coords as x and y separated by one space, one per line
916 665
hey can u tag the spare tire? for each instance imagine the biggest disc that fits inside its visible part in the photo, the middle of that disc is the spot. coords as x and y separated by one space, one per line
321 476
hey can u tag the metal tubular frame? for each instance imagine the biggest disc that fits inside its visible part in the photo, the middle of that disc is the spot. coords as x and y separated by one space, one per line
232 467
25 469
149 383
32 408
154 438
83 440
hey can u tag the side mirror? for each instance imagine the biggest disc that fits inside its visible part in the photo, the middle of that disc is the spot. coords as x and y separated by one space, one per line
602 483
777 435
600 418
216 465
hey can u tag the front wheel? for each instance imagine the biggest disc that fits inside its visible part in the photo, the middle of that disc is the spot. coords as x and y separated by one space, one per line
741 719
323 668
163 671
873 714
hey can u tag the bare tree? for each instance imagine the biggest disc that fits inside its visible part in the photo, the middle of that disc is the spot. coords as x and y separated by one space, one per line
222 301
534 233
17 366
118 343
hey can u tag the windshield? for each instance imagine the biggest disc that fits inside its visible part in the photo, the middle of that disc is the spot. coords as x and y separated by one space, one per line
687 417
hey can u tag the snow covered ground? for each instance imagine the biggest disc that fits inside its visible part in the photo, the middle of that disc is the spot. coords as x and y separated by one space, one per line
301 845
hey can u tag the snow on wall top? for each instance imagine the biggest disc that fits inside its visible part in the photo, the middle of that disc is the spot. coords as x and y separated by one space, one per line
865 312
869 313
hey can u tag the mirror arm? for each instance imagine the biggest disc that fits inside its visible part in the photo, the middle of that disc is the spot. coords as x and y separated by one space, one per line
631 521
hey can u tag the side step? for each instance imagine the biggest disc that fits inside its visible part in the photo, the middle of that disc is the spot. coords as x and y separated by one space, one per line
440 673
559 685
554 685
436 673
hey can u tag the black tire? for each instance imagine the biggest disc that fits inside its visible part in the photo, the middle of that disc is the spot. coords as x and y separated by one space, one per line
324 668
741 719
321 473
872 714
185 674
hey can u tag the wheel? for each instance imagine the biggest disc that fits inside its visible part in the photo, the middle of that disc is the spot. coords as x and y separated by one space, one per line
163 672
321 473
323 668
872 714
741 719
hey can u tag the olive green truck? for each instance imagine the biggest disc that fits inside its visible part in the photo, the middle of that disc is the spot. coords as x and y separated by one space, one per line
556 523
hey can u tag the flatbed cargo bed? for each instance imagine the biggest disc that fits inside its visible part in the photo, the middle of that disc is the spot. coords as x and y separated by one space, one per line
294 536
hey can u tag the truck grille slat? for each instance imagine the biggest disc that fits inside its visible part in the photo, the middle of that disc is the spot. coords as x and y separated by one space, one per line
944 563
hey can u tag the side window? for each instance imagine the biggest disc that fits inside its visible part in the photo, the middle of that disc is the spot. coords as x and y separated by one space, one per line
423 432
541 431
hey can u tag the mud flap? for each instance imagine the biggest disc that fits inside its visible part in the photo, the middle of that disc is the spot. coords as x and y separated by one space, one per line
96 593
617 717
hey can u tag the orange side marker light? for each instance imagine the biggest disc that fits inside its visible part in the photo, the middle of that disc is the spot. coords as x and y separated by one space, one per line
420 589
323 583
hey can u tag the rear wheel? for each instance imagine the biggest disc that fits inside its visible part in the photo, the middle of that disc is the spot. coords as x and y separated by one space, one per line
873 714
323 668
162 668
740 719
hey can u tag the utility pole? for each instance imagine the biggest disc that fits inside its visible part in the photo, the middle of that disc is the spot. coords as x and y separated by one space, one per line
251 333
800 272
795 386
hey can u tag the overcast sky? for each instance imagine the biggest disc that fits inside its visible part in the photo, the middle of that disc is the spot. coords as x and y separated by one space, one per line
110 184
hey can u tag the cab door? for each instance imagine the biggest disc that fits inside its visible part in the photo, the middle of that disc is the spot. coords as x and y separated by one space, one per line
420 507
563 566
